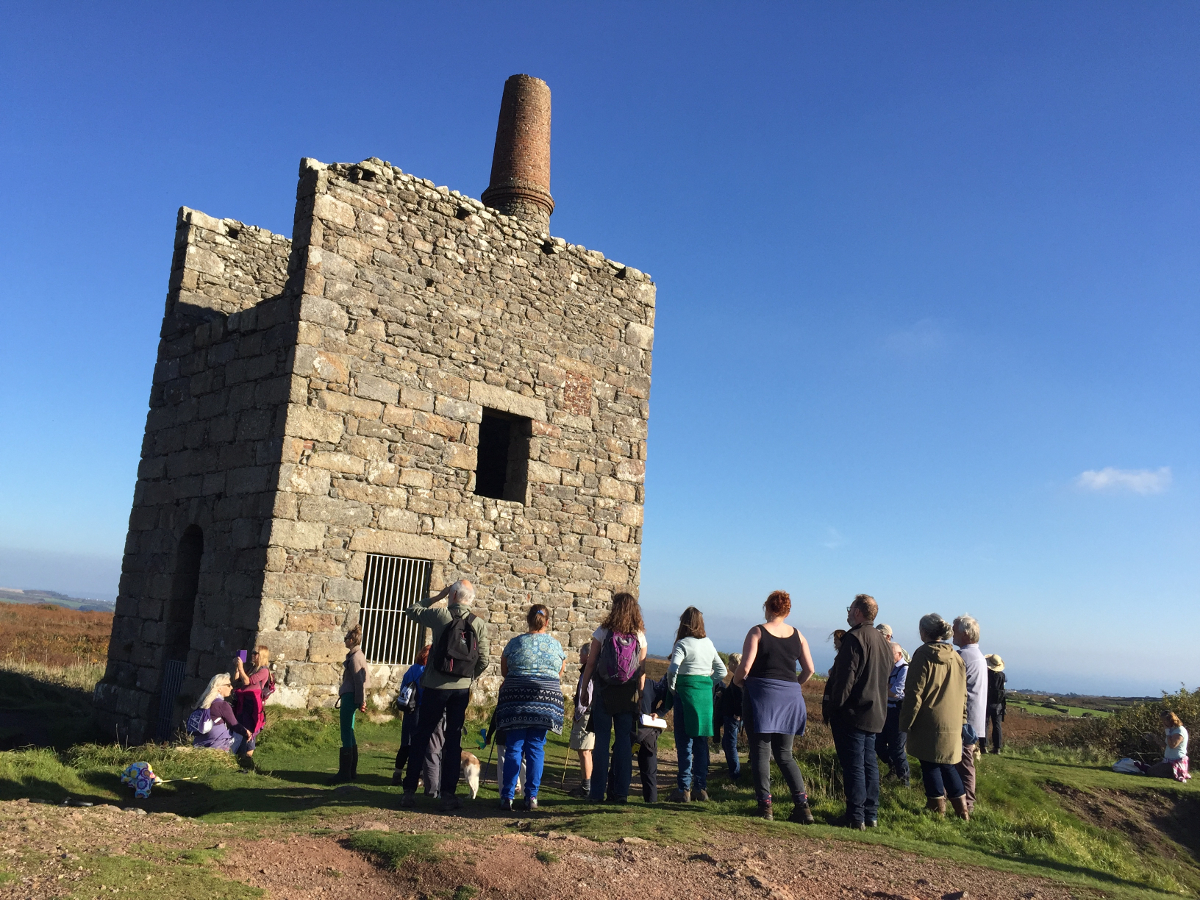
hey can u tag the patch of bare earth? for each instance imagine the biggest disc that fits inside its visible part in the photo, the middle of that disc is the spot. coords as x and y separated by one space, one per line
530 865
45 848
43 845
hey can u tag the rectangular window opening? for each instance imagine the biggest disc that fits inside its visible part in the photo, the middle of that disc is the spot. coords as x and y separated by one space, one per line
502 471
391 585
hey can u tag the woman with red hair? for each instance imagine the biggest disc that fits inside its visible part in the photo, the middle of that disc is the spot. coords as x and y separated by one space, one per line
773 703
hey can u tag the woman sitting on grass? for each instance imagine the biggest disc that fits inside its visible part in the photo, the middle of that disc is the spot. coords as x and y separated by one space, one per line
1174 763
695 667
530 704
225 732
933 713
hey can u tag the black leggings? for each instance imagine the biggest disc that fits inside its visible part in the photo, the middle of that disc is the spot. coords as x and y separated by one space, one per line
762 748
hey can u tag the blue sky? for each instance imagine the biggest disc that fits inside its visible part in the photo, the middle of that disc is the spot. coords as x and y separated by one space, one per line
921 269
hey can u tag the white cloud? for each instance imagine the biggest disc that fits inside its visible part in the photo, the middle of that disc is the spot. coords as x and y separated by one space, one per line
1140 481
921 339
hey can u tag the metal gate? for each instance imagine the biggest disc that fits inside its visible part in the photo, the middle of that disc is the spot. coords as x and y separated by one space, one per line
390 586
172 683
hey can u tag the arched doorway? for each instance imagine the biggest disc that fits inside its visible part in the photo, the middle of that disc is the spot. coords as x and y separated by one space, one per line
177 617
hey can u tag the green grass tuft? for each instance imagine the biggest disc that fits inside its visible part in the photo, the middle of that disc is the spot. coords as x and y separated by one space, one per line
392 849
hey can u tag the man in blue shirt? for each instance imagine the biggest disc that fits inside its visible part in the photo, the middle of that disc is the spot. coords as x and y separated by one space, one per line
891 744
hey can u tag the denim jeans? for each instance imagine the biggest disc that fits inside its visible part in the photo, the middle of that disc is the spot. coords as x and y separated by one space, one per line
941 780
860 772
603 726
729 743
891 745
529 743
692 753
434 703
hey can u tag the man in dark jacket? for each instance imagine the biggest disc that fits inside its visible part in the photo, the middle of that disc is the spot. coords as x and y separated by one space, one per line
855 707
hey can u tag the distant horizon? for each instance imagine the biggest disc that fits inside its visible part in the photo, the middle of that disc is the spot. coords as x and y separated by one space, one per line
659 634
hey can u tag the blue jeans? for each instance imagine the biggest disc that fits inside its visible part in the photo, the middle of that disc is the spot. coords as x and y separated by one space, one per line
603 725
941 780
530 743
860 772
891 747
693 758
729 738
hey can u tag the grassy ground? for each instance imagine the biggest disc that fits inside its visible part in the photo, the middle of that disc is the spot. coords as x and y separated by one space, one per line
1039 709
1029 820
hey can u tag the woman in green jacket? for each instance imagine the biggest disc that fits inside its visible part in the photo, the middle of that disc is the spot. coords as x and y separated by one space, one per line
933 713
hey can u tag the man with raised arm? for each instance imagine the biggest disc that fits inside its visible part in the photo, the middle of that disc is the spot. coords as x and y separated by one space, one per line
458 655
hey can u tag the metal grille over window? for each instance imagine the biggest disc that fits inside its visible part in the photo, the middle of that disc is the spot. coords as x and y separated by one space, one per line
390 586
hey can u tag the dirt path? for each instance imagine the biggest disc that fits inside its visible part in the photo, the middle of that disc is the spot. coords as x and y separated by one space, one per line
49 852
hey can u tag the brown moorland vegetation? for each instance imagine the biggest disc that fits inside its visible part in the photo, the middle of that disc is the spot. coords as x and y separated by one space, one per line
53 635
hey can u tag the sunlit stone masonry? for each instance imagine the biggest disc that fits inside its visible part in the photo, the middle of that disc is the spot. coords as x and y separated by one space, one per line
417 387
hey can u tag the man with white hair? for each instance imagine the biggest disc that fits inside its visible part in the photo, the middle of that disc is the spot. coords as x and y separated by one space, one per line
966 638
458 655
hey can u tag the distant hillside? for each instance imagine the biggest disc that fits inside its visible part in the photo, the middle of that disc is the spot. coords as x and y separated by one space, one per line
13 595
51 635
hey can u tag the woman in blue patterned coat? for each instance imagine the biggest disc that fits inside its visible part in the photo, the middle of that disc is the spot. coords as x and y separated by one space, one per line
530 704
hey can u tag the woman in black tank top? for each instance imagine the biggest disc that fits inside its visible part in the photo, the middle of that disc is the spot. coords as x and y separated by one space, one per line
776 657
773 704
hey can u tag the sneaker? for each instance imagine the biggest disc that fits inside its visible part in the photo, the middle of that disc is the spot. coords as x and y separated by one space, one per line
681 796
801 814
872 823
530 804
701 795
450 803
408 798
506 805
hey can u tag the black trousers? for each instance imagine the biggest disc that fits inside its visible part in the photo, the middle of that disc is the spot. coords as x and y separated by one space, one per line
995 716
647 757
435 703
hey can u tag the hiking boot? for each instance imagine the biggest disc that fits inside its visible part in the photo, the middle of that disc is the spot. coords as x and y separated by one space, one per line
397 776
765 811
681 796
701 796
408 799
343 772
936 805
506 805
801 814
960 807
844 821
449 803
872 823
530 804
581 791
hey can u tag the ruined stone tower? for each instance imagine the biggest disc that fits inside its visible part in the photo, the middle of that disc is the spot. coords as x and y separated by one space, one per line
415 388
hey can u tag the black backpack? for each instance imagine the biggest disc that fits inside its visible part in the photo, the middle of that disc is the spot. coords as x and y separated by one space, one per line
458 650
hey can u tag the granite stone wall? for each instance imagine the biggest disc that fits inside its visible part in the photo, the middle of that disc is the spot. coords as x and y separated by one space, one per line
210 459
420 308
320 399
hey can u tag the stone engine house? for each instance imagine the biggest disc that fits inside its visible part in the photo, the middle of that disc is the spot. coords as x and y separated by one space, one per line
417 387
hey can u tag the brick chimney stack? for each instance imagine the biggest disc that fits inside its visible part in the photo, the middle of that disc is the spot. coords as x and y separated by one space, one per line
520 183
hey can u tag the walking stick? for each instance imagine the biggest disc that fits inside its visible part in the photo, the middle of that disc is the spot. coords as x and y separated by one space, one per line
566 758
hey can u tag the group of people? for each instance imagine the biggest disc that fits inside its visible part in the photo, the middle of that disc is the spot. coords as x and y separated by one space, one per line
880 704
